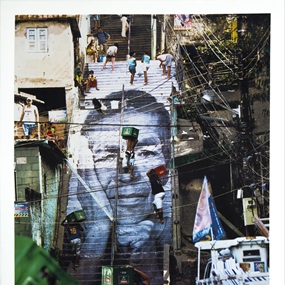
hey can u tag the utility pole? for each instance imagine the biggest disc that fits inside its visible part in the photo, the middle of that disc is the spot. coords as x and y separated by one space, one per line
129 35
174 180
162 42
246 121
153 36
245 124
245 128
118 171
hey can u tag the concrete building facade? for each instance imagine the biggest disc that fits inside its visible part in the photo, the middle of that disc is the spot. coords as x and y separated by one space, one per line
38 176
48 48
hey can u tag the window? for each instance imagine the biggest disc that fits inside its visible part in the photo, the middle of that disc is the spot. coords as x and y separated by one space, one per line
37 39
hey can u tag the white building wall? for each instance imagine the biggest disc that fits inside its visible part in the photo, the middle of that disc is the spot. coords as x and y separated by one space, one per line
53 68
84 27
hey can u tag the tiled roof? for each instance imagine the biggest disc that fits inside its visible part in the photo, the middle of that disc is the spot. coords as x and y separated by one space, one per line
72 19
43 17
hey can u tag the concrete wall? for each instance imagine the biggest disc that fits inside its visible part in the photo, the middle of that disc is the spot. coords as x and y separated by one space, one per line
53 68
72 99
84 26
51 177
27 170
36 170
27 175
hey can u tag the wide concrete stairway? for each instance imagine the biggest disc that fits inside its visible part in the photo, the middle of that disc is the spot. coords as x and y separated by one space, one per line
109 82
119 80
81 158
140 31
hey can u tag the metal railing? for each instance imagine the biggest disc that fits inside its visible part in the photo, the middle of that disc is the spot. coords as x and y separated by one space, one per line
41 132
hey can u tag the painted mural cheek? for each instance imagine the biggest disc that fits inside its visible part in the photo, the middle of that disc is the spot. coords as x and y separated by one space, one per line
149 156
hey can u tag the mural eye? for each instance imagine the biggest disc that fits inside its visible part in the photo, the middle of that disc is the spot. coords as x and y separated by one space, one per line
107 157
147 153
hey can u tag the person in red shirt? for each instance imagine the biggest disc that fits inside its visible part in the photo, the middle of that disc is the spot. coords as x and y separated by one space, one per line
91 81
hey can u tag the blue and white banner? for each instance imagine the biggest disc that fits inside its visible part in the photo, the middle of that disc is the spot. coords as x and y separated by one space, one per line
203 220
217 229
207 224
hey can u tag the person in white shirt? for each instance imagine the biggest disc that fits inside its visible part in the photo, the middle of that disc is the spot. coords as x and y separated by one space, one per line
111 55
166 61
125 25
146 62
30 116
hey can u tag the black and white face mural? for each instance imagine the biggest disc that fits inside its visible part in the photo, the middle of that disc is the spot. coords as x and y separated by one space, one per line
139 237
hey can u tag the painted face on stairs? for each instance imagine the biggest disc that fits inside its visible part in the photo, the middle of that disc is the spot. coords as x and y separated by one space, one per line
138 233
105 147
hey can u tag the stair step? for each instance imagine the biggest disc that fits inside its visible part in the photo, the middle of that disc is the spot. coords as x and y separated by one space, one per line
140 33
109 81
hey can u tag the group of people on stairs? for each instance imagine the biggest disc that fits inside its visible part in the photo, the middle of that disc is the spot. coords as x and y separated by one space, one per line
85 85
111 51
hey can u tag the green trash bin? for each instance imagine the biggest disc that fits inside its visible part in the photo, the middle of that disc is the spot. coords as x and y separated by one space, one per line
117 275
130 133
76 216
